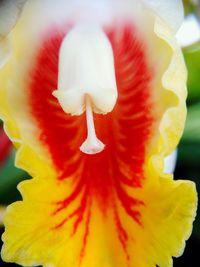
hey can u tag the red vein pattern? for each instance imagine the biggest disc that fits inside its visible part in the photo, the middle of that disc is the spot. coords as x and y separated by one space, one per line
125 131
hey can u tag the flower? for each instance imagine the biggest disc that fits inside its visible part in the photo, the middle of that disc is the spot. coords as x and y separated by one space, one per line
99 196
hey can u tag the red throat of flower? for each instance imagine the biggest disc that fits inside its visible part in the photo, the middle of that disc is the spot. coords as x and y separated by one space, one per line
124 131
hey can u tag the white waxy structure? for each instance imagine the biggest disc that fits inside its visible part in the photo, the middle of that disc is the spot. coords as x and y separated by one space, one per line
86 78
92 144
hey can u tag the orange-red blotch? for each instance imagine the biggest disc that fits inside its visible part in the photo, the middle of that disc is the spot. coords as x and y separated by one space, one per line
125 131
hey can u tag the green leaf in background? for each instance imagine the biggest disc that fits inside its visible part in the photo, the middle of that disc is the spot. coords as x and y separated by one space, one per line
192 127
191 6
188 164
10 176
188 6
192 59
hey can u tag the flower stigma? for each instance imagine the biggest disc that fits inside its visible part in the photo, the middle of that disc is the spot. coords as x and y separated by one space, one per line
92 145
86 78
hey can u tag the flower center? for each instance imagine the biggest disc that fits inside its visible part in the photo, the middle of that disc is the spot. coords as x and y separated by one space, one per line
86 78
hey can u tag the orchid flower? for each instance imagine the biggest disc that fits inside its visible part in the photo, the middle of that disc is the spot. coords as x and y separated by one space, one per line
93 97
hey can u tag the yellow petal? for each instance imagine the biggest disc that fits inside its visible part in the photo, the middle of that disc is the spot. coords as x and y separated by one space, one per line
31 236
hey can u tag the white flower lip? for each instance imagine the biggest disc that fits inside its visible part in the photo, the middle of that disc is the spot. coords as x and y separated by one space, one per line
86 78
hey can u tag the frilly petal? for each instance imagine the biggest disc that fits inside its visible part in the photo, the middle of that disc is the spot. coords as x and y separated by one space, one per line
171 11
174 82
32 239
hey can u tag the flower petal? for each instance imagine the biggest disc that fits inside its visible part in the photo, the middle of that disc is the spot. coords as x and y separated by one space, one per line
9 14
116 207
34 236
171 11
157 55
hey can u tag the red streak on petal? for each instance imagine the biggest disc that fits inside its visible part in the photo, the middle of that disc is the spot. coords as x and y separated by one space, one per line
79 212
122 234
65 202
85 237
125 131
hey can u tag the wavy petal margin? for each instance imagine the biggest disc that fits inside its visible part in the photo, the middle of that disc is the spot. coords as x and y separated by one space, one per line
167 216
172 11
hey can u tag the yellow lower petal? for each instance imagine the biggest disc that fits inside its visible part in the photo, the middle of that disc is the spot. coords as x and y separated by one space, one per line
166 222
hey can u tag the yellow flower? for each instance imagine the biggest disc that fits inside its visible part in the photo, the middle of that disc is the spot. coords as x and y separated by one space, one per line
105 201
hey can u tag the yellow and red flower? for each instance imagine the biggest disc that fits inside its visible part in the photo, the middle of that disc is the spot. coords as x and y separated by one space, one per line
119 60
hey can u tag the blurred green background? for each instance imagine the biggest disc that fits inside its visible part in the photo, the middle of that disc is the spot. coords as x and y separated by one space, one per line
188 162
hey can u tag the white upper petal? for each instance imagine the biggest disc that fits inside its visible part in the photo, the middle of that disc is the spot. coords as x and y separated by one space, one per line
9 13
170 10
